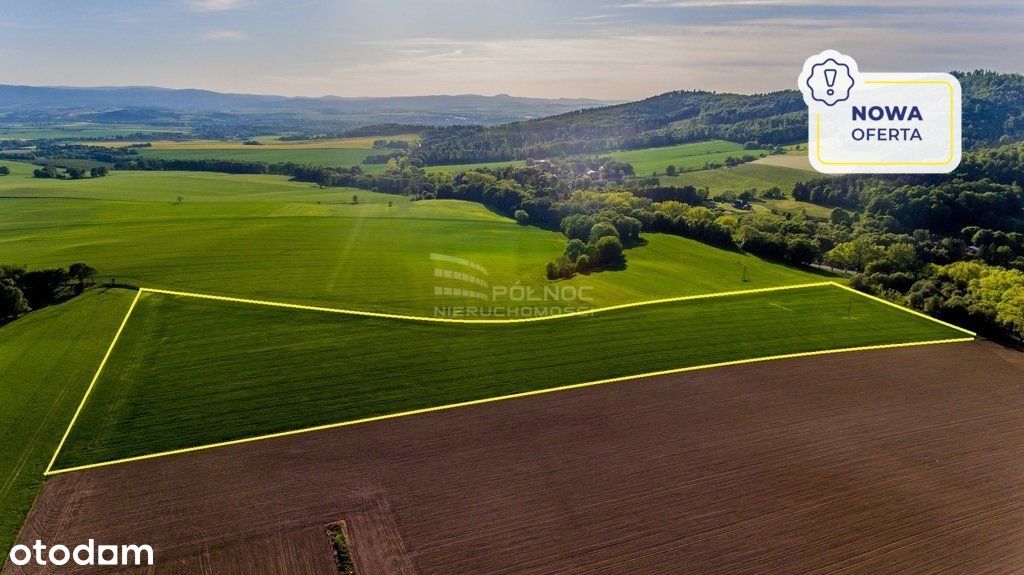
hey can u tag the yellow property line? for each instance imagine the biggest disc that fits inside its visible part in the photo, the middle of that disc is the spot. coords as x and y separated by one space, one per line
501 398
482 321
92 383
906 309
50 471
952 131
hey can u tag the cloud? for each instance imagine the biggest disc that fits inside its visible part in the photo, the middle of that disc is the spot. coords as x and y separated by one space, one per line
216 5
224 35
891 4
713 3
633 62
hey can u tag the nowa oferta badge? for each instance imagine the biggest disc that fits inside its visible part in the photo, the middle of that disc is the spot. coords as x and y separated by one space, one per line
875 123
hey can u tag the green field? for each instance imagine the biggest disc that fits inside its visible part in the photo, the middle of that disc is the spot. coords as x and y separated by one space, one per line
645 161
270 238
190 372
469 167
683 156
743 177
46 361
266 237
327 152
812 210
15 131
319 156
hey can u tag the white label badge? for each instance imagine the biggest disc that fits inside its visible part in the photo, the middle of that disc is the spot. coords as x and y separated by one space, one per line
867 123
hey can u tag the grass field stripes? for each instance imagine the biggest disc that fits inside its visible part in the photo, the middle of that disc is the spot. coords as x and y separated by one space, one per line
486 321
51 471
92 383
498 398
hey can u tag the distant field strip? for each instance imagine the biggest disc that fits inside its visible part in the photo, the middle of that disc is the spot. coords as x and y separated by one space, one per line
191 372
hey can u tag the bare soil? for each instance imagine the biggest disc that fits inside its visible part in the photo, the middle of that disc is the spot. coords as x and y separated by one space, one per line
908 460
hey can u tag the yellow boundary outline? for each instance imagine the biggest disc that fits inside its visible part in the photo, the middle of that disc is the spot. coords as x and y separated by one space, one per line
92 383
952 131
50 471
425 318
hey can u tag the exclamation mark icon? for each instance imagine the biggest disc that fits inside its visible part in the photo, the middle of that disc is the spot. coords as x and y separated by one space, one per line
830 79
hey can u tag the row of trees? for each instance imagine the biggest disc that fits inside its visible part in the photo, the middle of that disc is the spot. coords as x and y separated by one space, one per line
22 290
70 173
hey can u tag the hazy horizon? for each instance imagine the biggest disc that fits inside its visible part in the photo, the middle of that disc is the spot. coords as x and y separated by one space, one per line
609 50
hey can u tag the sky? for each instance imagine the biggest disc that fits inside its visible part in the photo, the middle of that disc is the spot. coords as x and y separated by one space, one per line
607 49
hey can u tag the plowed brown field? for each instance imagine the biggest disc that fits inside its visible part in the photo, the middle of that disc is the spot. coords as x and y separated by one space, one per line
908 460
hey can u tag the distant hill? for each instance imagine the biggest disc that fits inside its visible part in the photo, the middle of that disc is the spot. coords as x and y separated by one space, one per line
993 113
670 118
162 104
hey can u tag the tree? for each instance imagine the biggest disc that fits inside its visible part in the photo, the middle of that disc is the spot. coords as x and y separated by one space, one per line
180 199
1010 310
840 217
670 170
355 199
81 272
855 255
801 250
12 300
577 226
98 172
46 172
4 171
574 249
901 257
522 218
602 230
609 249
43 287
628 228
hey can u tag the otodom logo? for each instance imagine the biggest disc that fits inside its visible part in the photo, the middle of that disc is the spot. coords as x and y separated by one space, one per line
86 554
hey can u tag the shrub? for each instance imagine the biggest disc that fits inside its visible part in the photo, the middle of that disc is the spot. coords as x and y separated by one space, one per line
609 249
602 230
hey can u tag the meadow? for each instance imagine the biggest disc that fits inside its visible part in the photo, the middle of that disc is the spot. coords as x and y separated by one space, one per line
352 151
646 161
271 155
189 372
75 130
46 361
275 142
324 152
682 156
743 177
267 237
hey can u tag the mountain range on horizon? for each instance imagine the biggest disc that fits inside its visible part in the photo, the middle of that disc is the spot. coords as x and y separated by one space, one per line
489 128
26 103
